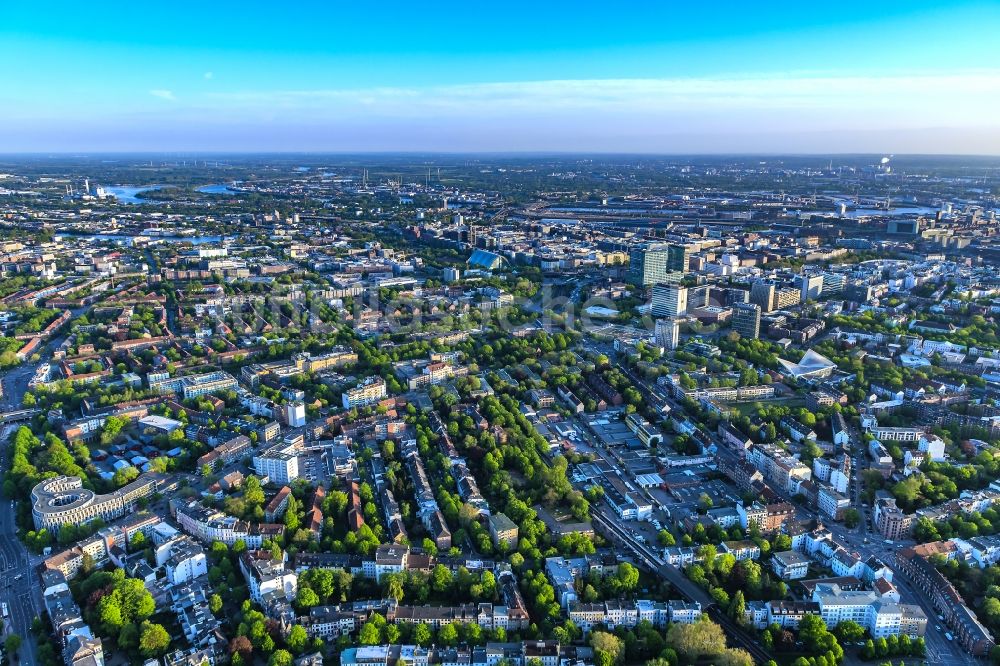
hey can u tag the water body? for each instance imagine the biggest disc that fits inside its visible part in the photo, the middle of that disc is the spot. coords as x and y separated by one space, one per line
127 193
216 189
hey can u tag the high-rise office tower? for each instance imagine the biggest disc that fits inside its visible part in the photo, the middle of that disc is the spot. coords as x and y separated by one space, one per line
746 320
698 297
678 258
762 294
787 297
657 264
734 296
669 300
833 283
812 287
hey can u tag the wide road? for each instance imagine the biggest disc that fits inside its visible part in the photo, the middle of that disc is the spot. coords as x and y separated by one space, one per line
18 583
20 587
939 649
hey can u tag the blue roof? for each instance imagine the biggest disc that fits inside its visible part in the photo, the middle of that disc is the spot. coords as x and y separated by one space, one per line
485 259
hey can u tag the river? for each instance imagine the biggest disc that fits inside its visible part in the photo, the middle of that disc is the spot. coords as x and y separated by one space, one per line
127 193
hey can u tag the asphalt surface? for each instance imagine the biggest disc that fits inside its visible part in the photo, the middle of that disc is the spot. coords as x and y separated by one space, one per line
20 587
19 584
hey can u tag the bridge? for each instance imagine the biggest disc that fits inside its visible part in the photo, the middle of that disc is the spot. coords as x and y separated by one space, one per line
17 416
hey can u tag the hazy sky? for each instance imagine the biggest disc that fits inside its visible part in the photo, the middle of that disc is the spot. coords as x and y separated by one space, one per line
667 76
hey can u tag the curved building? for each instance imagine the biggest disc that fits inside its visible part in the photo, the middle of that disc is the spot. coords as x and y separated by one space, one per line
63 499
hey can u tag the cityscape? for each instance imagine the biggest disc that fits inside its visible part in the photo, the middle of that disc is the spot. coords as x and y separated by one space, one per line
665 338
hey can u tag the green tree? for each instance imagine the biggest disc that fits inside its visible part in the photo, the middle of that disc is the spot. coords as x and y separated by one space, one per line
849 631
393 586
422 635
738 607
733 657
297 639
109 612
703 638
305 598
370 634
124 476
608 648
441 579
137 603
813 632
113 426
852 518
153 639
448 634
128 639
472 633
280 658
253 494
391 634
138 541
12 644
626 578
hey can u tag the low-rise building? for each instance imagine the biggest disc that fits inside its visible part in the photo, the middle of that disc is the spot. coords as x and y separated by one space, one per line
503 529
790 565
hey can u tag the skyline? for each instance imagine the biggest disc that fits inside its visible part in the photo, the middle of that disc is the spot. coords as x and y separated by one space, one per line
903 78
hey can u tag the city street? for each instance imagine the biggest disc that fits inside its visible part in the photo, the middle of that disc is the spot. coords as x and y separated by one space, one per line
19 587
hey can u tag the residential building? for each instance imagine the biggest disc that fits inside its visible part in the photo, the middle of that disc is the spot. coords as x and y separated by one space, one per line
946 600
890 521
741 550
267 577
63 500
225 453
790 565
368 392
503 529
643 429
295 414
186 561
812 287
279 463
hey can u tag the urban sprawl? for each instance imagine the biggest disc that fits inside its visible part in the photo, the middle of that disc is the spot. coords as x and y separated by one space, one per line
422 411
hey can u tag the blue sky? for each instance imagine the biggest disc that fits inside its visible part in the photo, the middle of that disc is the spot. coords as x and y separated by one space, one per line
542 76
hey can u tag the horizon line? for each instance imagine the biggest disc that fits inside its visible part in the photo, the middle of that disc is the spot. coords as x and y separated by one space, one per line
534 153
